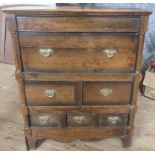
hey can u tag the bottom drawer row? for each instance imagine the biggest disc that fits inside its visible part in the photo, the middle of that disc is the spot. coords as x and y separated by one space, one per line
78 120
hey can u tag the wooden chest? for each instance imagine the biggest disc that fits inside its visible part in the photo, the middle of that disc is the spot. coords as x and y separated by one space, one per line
78 71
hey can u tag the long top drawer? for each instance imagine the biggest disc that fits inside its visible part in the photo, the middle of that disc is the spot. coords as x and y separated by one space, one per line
78 23
78 52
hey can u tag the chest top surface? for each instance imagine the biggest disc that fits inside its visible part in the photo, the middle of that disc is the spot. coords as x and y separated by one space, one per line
75 9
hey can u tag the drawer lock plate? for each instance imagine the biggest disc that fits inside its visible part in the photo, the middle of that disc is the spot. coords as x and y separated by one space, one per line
44 119
113 119
79 119
110 52
46 52
50 93
106 91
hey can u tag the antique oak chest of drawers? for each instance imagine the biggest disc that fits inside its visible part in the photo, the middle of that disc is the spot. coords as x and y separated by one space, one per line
78 71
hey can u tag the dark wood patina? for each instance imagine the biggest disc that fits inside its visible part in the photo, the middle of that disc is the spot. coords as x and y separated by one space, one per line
78 71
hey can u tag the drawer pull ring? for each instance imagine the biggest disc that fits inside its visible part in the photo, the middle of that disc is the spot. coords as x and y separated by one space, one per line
106 91
44 119
113 119
46 52
50 93
79 119
110 52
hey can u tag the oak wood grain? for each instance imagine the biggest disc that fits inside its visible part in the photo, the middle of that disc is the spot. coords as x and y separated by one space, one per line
122 121
119 93
36 93
100 11
80 119
79 40
70 134
79 60
32 76
78 24
82 109
55 119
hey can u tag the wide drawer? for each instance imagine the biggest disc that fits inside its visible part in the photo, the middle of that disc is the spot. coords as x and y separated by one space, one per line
104 93
78 52
50 93
78 24
72 119
78 60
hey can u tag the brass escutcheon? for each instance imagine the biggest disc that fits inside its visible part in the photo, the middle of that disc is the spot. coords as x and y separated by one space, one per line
46 52
113 119
50 93
106 91
44 119
110 52
79 119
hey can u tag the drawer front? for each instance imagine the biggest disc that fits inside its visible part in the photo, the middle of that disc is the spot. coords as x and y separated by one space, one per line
104 93
78 60
113 120
81 120
78 24
78 52
56 119
49 93
61 119
79 40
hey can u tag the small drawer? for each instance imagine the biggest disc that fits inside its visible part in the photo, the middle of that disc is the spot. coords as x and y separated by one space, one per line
78 24
81 119
50 93
56 119
113 119
104 93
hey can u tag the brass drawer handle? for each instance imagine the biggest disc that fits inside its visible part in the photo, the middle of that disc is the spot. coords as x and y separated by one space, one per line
110 52
46 52
113 119
44 119
50 93
106 91
79 119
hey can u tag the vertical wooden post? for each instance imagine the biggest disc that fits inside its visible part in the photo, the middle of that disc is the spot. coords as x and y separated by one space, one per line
20 78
